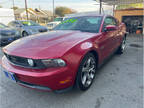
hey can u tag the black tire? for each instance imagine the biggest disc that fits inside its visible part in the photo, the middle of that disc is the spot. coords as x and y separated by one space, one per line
24 34
80 75
122 46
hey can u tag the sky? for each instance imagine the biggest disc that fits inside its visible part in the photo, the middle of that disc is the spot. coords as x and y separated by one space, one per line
78 5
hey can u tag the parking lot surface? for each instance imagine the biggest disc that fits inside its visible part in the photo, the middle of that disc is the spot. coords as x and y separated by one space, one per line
118 84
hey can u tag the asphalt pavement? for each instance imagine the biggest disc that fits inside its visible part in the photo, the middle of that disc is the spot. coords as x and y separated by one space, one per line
118 84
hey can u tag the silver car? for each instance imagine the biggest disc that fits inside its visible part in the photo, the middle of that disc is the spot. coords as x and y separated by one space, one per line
27 27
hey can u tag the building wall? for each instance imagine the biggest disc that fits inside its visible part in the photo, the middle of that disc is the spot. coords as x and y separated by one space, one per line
127 12
6 15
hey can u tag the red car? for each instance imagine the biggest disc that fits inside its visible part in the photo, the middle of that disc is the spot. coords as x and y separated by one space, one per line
67 56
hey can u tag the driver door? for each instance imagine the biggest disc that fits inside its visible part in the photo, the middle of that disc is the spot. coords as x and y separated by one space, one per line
107 39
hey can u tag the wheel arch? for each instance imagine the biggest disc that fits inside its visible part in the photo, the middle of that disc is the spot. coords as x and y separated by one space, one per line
95 54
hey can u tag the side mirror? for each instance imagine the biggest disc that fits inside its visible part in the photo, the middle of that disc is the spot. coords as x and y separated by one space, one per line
110 28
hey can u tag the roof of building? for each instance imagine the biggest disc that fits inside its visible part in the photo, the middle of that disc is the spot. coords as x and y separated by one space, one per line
119 2
34 12
20 10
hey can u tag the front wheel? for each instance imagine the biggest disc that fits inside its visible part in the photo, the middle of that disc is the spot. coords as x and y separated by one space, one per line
86 72
24 34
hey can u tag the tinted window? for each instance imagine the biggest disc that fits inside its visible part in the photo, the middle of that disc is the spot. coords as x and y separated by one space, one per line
85 24
109 21
13 24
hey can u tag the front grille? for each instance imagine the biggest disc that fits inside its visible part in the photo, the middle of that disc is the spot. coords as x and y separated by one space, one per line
23 62
17 60
43 30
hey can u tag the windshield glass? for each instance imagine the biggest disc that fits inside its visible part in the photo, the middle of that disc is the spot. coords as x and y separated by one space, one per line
29 23
2 25
85 24
58 19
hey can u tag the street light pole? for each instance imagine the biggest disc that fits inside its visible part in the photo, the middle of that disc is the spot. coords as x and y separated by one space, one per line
53 10
13 8
100 10
26 9
13 4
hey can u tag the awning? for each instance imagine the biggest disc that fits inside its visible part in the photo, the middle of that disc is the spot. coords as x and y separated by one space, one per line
120 2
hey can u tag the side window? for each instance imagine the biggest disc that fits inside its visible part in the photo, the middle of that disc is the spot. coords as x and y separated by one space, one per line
109 21
11 24
114 22
16 24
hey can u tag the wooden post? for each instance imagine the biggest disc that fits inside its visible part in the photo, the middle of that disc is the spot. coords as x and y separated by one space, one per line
26 9
53 10
100 10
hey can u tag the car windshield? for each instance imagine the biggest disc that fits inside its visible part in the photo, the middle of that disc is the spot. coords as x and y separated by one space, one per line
2 25
84 24
29 23
58 19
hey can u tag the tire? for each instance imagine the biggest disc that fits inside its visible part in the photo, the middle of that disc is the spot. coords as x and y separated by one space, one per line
86 72
24 34
122 46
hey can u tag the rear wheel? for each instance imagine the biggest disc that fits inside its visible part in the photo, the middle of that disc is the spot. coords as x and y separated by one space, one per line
122 46
86 72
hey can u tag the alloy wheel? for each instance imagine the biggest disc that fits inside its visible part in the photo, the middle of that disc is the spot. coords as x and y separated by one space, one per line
88 72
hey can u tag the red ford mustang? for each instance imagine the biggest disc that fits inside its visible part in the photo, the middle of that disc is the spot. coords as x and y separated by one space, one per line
67 56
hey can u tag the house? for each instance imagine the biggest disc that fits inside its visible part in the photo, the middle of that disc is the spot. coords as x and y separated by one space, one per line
132 17
38 15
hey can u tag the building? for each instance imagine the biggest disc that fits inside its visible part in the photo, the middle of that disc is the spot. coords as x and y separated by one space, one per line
6 15
38 15
132 17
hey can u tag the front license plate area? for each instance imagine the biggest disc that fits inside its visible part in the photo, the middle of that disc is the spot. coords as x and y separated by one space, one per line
10 76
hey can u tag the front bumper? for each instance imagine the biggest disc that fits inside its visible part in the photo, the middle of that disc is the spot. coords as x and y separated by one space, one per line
42 79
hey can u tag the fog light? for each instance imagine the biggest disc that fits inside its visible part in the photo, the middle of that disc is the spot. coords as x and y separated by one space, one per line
30 62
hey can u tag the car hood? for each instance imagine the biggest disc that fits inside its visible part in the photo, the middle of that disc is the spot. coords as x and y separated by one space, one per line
34 27
47 45
7 29
7 32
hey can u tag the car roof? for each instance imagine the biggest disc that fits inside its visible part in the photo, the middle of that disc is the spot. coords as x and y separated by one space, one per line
86 14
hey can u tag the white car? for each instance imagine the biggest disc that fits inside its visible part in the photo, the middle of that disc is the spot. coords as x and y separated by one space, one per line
54 23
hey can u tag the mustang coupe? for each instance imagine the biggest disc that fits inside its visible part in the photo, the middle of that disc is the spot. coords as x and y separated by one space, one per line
66 57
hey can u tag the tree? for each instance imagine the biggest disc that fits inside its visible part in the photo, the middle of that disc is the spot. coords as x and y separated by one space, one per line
0 6
61 11
15 8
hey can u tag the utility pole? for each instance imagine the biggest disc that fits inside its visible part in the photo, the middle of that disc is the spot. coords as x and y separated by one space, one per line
26 9
100 10
13 8
53 10
13 4
113 10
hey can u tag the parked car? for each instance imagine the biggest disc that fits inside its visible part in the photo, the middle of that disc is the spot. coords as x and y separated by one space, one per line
27 27
7 35
54 23
66 57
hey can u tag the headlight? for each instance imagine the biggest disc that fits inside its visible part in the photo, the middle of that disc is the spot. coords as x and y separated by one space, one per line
30 62
54 63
